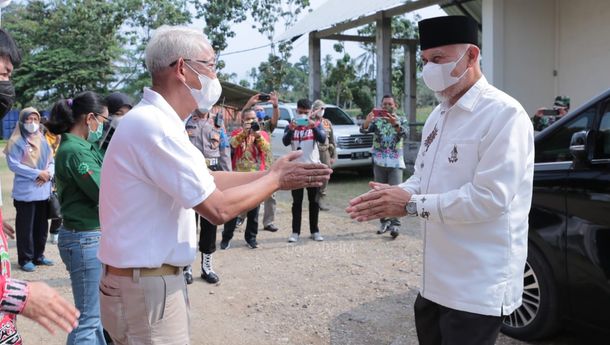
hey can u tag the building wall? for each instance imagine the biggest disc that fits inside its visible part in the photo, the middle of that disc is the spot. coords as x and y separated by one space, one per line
544 48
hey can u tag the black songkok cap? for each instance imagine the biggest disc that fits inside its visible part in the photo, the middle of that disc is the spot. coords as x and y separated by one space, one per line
442 31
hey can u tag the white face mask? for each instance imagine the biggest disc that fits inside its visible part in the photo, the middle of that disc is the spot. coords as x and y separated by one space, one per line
437 77
31 127
209 93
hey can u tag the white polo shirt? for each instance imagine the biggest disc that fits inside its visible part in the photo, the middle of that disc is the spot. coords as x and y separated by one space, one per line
152 177
473 187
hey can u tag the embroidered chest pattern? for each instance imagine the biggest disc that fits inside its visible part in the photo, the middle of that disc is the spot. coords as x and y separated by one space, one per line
430 138
453 157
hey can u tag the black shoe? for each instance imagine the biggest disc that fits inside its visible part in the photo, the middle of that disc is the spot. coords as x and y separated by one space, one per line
211 277
188 275
271 228
224 245
252 244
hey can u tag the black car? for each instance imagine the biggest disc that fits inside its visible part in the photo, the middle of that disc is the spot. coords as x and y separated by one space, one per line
567 274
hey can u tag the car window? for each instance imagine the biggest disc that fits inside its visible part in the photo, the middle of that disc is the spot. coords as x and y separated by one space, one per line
284 113
337 116
556 146
603 139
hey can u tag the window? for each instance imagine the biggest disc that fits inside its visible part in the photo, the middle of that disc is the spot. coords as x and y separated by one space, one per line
337 116
284 113
602 150
556 146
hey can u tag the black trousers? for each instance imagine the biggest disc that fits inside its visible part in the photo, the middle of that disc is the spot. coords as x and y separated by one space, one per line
438 325
207 236
55 224
297 209
31 228
251 226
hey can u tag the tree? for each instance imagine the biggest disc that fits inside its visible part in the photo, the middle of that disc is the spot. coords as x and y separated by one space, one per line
220 15
98 46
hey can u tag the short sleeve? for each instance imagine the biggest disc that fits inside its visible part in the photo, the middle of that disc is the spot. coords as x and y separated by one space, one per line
178 168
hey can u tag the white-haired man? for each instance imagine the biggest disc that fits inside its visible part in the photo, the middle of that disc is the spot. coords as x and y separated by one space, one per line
472 186
152 181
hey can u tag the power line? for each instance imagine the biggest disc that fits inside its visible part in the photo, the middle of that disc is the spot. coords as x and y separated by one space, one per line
246 50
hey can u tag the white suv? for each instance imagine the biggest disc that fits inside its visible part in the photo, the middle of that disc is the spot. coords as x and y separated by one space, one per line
353 147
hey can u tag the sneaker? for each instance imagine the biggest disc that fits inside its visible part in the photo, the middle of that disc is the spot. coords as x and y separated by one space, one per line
294 237
317 237
322 204
225 245
252 243
29 267
385 226
394 231
54 238
207 272
188 274
239 222
43 262
271 228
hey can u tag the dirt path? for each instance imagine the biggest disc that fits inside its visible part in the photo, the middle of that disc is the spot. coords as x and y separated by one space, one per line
356 287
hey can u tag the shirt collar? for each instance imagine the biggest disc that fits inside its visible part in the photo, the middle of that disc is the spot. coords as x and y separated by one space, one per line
77 139
156 99
469 100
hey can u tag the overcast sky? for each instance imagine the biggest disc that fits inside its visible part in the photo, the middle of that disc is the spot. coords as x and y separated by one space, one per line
246 37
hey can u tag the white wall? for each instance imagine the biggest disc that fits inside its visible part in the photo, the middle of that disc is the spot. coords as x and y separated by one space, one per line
584 49
526 42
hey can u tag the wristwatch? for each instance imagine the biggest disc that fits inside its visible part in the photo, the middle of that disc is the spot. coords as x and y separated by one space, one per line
411 208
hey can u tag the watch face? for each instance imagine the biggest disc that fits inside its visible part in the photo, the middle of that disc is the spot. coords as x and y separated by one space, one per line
411 207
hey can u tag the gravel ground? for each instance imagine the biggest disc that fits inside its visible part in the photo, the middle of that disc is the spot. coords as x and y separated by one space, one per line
354 288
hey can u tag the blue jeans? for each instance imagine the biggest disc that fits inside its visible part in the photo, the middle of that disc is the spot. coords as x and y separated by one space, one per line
78 250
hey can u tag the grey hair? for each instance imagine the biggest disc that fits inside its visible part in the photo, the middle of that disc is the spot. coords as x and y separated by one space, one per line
172 42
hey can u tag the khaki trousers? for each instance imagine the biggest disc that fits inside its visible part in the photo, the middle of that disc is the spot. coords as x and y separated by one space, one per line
145 310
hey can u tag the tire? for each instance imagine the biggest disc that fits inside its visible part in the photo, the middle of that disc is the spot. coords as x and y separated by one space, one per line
538 316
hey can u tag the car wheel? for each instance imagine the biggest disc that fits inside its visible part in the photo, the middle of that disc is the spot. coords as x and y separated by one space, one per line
538 316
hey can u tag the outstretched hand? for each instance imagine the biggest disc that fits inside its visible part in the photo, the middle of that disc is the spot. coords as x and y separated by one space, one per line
296 175
45 306
381 201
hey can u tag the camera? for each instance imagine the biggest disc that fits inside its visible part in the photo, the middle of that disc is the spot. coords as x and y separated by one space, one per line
380 113
550 112
302 121
255 127
263 97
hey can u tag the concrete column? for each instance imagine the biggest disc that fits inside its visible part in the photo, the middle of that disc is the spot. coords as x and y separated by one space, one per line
315 71
409 104
492 53
384 57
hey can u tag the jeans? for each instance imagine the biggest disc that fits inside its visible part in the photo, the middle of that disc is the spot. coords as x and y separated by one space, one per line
78 250
391 176
31 226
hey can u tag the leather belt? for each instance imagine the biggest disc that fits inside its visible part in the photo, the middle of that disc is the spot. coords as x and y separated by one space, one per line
164 270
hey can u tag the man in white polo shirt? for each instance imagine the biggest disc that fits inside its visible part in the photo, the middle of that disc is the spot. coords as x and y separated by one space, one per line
152 181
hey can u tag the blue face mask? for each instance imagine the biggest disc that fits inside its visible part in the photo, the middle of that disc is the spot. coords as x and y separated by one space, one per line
95 136
260 115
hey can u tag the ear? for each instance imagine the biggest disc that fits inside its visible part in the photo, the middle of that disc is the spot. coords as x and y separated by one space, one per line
473 54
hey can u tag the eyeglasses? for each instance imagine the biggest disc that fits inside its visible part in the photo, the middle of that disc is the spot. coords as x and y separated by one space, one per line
211 65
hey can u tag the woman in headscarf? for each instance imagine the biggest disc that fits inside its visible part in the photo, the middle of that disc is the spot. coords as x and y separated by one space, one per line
29 156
